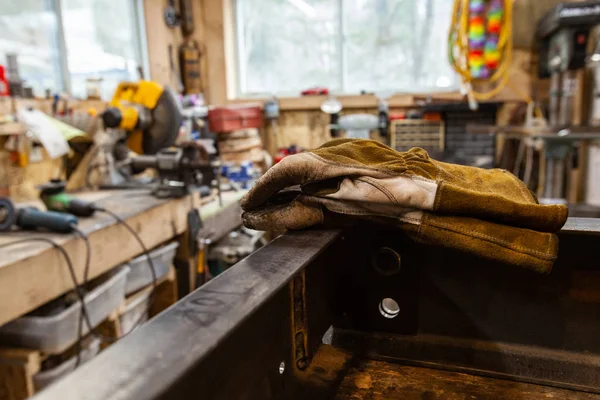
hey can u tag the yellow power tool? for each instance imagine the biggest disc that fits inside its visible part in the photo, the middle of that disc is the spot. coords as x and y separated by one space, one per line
148 112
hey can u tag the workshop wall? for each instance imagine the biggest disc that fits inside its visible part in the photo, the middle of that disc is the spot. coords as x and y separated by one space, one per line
164 43
308 128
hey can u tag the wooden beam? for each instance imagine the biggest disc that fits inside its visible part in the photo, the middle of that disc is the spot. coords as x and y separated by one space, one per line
34 273
381 380
17 367
214 41
159 36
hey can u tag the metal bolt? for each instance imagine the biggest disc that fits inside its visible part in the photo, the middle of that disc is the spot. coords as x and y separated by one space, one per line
386 261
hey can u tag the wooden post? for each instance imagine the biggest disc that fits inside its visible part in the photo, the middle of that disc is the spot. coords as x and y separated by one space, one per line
17 368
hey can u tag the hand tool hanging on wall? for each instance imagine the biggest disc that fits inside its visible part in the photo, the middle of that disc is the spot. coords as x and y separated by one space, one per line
186 17
31 218
172 18
189 63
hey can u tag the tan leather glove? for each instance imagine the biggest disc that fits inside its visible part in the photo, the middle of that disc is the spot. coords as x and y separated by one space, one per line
477 208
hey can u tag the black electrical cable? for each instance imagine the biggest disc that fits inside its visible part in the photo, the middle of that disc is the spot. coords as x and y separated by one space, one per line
77 288
67 260
108 339
146 253
86 274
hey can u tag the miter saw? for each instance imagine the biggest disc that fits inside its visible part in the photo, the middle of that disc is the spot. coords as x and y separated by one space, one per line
148 112
149 118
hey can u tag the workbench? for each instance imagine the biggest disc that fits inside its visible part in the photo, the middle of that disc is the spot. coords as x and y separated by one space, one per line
33 273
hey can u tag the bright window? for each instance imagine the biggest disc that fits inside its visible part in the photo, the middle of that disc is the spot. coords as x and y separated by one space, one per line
348 46
101 39
28 28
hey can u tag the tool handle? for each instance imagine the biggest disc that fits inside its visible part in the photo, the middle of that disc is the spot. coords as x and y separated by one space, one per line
32 218
81 208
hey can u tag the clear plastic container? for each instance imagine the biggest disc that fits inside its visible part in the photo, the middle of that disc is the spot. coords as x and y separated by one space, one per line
135 311
54 333
140 275
44 378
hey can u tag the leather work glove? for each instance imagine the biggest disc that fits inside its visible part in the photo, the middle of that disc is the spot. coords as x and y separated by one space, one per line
487 212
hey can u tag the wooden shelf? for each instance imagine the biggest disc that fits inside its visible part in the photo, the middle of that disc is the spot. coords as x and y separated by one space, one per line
12 128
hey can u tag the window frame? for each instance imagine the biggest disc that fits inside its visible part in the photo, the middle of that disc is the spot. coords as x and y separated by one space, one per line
141 45
238 68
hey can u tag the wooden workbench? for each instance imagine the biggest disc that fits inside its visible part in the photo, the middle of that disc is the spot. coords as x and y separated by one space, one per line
33 273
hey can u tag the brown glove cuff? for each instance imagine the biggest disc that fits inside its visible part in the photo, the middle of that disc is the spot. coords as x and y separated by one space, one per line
455 200
523 247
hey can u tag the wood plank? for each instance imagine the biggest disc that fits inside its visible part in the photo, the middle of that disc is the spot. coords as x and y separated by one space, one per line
214 39
12 128
159 36
32 274
110 328
17 367
386 381
166 294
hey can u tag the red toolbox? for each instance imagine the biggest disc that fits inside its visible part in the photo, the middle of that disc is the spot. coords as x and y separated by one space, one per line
235 117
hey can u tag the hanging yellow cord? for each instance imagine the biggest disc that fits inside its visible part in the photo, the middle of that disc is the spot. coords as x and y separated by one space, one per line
458 48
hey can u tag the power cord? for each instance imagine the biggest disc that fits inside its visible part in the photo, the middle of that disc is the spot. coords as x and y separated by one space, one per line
84 316
146 253
108 339
86 274
77 288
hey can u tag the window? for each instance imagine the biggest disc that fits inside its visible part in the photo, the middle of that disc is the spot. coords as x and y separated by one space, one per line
348 46
29 30
100 38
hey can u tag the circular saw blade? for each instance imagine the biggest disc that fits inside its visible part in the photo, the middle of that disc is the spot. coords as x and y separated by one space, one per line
166 121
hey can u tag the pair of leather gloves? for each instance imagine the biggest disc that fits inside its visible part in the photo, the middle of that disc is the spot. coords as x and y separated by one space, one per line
490 213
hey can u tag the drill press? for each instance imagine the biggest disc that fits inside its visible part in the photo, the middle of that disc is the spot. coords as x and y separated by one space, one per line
562 36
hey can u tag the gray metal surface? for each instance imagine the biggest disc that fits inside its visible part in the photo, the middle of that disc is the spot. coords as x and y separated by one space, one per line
164 352
582 225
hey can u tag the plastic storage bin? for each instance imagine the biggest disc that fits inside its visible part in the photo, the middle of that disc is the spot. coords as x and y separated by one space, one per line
55 333
44 378
139 273
135 311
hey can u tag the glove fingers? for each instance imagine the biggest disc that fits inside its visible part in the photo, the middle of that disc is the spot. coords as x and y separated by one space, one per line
295 215
290 171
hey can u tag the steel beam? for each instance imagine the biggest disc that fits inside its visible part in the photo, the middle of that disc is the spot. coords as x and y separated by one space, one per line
252 332
230 335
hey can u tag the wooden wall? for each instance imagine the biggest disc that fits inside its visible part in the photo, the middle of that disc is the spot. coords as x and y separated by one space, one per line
159 37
